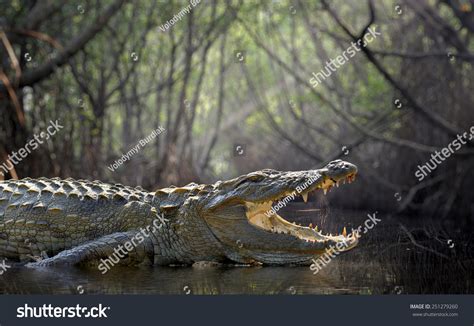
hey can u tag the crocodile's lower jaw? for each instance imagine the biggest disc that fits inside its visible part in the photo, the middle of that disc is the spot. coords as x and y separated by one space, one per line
264 217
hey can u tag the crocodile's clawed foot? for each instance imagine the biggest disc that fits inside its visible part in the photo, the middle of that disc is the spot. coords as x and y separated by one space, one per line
48 262
36 259
37 263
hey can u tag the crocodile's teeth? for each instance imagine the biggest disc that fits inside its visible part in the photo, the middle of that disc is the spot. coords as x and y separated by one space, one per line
337 184
325 190
311 225
305 197
344 232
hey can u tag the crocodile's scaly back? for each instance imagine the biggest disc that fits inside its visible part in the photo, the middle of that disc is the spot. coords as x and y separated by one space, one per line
51 215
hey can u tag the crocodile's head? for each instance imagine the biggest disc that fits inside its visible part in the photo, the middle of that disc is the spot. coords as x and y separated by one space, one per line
239 213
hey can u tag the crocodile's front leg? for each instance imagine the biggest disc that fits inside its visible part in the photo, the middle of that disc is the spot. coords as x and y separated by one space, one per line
117 248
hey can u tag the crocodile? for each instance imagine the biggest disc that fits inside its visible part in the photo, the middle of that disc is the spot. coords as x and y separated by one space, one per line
51 222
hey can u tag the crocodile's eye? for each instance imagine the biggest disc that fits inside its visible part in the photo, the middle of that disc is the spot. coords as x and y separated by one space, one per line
251 178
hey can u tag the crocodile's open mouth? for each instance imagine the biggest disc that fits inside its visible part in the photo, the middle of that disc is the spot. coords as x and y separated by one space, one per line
264 216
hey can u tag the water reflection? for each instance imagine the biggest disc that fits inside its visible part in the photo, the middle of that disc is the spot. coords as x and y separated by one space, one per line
184 280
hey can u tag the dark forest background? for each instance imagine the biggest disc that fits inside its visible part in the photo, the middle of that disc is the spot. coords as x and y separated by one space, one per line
229 82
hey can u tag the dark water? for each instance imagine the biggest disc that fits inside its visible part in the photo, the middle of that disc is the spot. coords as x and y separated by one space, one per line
251 280
385 262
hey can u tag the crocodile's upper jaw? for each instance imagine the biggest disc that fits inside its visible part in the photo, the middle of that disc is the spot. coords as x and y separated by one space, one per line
241 215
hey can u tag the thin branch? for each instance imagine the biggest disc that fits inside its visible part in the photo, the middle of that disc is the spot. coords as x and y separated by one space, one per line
415 243
40 36
424 55
11 54
11 92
